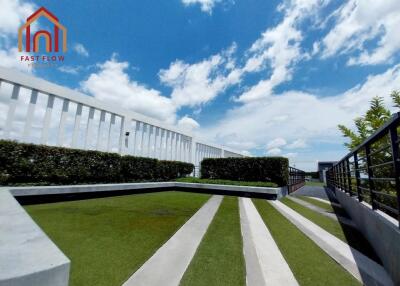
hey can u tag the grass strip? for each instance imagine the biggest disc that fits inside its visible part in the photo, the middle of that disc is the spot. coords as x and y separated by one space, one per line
219 258
108 239
344 232
226 182
315 184
328 207
309 263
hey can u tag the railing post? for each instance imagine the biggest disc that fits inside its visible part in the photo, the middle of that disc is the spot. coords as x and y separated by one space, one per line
11 111
370 176
357 174
29 114
395 156
341 173
349 176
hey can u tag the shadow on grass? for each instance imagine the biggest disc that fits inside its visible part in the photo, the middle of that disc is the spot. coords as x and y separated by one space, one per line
351 235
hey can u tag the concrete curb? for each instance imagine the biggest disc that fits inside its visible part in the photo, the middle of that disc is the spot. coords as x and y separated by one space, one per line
275 193
27 256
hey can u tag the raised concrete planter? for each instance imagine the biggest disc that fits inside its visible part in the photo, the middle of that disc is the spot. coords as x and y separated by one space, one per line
71 189
273 193
27 256
381 230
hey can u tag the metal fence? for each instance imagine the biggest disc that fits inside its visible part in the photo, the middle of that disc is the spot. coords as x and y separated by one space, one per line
36 111
371 171
297 179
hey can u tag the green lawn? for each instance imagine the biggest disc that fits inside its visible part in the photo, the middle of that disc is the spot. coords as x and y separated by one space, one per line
316 184
108 239
344 232
219 258
328 207
309 264
226 182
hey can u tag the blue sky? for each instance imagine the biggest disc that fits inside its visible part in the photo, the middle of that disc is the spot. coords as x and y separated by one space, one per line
263 77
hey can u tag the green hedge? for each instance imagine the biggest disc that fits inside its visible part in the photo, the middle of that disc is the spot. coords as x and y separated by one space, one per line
263 169
43 165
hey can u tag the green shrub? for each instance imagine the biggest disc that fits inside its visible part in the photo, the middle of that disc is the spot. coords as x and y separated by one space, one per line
138 168
263 169
22 163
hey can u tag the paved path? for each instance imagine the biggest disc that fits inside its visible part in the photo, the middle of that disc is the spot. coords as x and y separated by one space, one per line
315 191
265 264
167 266
361 267
323 212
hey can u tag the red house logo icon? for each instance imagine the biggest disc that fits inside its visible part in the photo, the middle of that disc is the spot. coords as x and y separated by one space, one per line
51 38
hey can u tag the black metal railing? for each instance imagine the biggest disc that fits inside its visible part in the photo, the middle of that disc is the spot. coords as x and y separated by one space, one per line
297 179
371 171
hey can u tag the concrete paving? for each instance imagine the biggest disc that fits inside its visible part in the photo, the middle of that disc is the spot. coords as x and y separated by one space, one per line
323 212
27 256
167 266
361 267
265 264
328 202
315 191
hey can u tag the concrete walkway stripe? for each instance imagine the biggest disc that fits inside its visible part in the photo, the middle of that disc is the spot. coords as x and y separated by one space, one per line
168 264
361 267
326 202
323 212
265 264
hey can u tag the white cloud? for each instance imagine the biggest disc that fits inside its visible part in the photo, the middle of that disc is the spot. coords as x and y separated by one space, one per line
70 69
112 84
198 83
188 124
297 144
274 151
293 115
290 155
279 48
81 50
205 5
12 14
277 142
358 23
10 58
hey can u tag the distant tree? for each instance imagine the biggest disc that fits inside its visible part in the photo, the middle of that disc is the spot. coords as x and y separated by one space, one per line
374 118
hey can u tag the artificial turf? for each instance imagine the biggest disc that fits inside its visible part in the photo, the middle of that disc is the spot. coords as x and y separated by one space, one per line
226 182
108 239
309 263
315 184
328 207
344 232
219 258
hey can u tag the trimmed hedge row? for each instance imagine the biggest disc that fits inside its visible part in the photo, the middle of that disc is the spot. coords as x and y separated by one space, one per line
22 163
264 169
